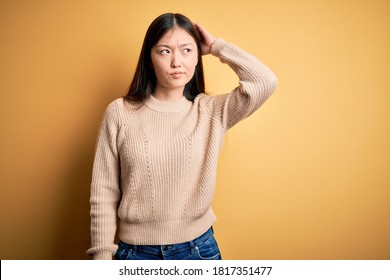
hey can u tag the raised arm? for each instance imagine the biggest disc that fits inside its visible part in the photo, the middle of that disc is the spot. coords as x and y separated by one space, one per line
256 81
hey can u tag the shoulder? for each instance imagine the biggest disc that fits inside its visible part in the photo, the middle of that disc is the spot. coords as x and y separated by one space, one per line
121 107
120 103
113 106
210 103
114 111
205 98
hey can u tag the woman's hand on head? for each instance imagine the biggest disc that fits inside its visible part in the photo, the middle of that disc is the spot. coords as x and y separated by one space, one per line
207 39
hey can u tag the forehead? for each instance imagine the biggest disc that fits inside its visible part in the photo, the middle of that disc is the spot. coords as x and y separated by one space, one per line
176 36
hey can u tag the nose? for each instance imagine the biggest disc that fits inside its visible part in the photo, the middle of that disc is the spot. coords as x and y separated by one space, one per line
175 62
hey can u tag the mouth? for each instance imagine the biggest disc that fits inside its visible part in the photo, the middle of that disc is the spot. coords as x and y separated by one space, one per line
177 74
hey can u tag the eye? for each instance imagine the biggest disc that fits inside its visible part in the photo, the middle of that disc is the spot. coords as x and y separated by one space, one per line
164 51
187 50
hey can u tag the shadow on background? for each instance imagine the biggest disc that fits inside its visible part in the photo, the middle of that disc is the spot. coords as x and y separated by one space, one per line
73 235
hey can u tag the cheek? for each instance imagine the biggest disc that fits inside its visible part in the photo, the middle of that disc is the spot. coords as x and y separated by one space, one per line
158 64
158 70
191 65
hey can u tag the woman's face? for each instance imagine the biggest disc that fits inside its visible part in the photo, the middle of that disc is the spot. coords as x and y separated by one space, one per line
174 59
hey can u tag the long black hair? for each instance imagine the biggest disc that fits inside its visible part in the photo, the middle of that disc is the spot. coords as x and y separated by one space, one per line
145 80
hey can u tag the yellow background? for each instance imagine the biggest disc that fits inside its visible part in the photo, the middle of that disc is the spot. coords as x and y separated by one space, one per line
305 177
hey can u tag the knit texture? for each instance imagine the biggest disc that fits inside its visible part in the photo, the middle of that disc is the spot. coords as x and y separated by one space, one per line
155 166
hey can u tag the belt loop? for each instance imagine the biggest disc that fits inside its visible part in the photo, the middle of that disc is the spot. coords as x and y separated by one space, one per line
192 245
134 250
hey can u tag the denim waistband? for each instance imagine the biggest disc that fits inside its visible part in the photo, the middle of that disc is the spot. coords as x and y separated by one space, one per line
156 249
203 237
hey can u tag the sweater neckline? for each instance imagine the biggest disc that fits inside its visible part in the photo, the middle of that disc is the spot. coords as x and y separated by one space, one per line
179 105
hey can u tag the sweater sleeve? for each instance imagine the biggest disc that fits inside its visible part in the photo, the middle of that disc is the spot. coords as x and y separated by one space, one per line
105 188
256 84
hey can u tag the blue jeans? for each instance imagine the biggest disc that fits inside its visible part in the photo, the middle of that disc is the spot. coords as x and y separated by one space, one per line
204 247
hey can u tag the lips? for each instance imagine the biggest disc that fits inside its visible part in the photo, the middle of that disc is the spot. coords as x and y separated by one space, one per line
176 74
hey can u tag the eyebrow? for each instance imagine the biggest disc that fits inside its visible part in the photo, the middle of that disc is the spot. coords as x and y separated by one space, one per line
170 47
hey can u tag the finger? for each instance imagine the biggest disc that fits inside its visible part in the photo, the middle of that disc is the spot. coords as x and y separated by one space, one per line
199 28
204 34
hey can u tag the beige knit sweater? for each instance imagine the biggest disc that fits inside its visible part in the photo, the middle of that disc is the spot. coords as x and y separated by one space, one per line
155 166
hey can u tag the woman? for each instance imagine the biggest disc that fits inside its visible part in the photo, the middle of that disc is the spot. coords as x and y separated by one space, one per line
156 156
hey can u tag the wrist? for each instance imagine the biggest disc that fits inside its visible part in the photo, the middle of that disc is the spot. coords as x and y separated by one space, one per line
217 45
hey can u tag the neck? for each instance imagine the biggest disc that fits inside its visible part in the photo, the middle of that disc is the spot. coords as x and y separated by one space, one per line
164 94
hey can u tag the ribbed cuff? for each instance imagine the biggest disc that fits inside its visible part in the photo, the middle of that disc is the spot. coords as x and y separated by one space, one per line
217 46
106 255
